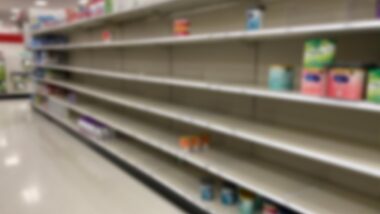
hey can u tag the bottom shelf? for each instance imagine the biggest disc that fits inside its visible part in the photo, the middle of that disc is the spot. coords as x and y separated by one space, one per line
303 193
173 175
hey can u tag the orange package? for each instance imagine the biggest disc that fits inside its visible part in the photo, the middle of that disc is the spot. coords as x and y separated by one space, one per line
186 143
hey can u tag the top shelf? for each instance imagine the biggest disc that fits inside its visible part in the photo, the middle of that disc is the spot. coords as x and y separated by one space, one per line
160 6
263 34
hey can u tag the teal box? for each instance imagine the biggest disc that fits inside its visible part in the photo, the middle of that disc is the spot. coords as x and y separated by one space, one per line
373 87
280 78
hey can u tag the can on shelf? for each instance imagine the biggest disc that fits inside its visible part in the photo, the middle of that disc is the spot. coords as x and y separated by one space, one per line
207 189
228 194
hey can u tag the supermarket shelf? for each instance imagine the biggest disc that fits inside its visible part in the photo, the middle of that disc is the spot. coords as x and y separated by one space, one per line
270 33
157 7
283 186
222 87
163 171
342 153
18 95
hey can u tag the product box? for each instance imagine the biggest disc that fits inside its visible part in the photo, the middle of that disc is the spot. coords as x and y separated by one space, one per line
181 27
373 85
313 82
346 82
97 7
280 77
319 53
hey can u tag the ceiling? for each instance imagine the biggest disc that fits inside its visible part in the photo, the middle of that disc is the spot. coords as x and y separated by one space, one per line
6 5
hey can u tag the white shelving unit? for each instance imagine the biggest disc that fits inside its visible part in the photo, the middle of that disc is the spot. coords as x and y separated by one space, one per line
165 172
308 154
153 7
247 90
281 185
342 153
265 34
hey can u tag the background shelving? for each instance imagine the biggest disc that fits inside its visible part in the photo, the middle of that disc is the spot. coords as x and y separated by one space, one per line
313 155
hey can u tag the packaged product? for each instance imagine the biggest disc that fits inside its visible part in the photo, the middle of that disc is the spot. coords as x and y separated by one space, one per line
255 18
247 203
319 53
346 82
207 189
313 82
373 85
186 143
280 77
181 27
270 208
228 194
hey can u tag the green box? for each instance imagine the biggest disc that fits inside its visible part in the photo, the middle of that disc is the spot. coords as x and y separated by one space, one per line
319 53
373 87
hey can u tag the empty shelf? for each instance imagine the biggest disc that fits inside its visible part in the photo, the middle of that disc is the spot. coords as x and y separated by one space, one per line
262 34
160 6
246 90
284 186
167 173
349 155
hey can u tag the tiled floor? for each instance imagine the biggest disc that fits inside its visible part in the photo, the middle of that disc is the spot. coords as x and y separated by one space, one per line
44 170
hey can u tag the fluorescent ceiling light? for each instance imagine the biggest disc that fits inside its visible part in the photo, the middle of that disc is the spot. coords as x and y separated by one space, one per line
41 3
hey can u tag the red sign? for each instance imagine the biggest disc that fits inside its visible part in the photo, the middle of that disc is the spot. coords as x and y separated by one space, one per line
11 38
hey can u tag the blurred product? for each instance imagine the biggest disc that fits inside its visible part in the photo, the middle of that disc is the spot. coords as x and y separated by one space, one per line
313 82
280 77
373 87
195 142
181 27
97 8
270 208
255 18
108 6
228 194
248 203
186 143
378 8
346 82
319 53
207 189
92 127
46 17
49 40
3 74
106 36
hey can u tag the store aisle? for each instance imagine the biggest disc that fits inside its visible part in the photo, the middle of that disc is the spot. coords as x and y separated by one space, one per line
44 170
